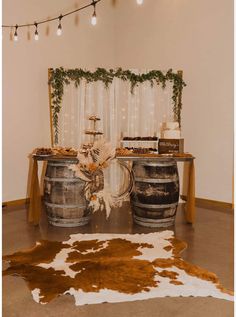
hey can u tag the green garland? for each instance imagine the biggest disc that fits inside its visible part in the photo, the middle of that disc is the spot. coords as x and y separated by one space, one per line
61 76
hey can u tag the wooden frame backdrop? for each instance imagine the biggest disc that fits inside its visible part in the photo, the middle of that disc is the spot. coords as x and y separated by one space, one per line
179 72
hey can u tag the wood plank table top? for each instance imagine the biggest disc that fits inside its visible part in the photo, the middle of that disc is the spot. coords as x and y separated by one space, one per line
154 157
179 157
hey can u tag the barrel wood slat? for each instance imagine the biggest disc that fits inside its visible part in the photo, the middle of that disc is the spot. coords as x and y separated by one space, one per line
155 195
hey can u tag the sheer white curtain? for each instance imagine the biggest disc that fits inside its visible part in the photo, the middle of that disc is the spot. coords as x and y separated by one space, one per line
122 113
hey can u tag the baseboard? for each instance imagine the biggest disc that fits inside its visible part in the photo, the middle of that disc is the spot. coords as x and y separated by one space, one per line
199 202
17 202
210 204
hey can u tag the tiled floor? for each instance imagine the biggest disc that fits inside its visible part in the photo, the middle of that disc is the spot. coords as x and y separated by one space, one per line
210 245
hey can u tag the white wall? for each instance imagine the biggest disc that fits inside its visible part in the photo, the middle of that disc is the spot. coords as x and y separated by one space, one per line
195 36
25 65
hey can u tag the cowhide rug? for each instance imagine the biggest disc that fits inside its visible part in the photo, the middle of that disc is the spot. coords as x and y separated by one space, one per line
97 268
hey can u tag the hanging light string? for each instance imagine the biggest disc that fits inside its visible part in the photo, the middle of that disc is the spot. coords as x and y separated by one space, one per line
93 3
59 18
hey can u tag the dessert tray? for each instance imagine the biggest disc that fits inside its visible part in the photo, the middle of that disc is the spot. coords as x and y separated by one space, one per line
57 151
128 154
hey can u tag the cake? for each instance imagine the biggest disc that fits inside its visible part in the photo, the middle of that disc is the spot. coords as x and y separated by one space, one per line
170 130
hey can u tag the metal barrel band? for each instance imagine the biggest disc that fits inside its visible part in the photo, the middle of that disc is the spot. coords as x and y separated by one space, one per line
60 179
158 164
156 180
154 223
64 206
156 206
58 222
58 164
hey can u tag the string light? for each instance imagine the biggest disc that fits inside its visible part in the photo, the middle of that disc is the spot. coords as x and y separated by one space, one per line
36 34
15 33
59 28
94 16
93 3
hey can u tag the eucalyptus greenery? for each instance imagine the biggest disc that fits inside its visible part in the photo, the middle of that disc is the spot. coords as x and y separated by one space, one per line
60 76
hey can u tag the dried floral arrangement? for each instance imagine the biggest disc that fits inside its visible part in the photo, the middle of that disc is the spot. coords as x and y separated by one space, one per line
93 159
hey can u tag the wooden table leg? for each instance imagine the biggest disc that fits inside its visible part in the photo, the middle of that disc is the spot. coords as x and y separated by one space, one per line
35 197
190 203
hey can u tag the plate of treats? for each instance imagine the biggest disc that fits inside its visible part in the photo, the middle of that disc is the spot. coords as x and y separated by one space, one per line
65 151
42 151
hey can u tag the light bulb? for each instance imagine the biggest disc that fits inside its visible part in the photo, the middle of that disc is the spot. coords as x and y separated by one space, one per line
59 30
15 34
139 2
36 36
94 19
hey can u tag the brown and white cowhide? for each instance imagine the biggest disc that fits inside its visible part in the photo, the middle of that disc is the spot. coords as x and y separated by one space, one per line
97 268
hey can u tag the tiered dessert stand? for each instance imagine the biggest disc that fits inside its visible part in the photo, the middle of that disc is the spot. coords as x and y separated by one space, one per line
94 132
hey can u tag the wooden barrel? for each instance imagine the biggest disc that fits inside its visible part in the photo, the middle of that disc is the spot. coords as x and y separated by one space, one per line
155 195
64 195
